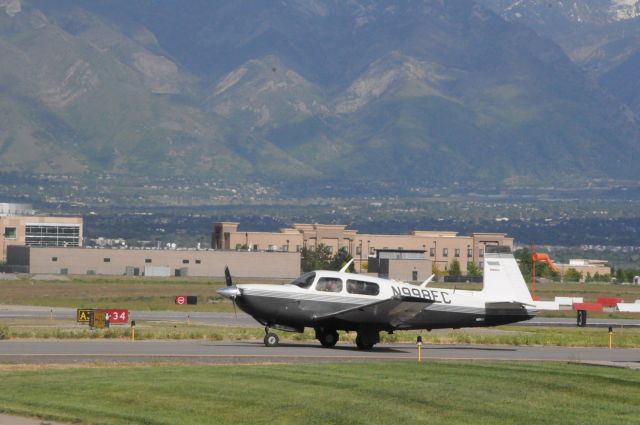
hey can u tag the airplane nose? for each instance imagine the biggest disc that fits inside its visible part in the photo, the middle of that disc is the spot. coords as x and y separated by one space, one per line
229 292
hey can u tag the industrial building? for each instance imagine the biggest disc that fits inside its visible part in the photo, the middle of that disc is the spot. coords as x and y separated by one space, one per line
153 262
21 225
585 266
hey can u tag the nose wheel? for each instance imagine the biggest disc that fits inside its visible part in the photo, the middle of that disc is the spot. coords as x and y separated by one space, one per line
270 339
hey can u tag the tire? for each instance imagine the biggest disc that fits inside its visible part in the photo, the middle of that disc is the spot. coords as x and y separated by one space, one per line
329 339
363 345
271 340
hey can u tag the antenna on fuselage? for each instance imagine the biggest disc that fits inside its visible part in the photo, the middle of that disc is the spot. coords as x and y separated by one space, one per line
346 266
428 281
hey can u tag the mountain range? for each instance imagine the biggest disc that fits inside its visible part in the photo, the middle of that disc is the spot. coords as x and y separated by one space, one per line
415 91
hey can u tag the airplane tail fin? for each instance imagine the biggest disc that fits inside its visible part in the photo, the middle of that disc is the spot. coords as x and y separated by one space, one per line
503 280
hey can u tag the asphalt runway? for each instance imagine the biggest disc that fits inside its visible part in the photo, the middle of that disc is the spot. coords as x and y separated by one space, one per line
244 320
234 352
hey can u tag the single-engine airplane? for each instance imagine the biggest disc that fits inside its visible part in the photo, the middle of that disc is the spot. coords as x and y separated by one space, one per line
329 301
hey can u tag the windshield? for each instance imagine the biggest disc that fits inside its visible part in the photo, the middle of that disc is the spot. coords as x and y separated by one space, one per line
304 281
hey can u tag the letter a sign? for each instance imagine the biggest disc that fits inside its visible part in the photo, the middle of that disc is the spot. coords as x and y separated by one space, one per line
83 315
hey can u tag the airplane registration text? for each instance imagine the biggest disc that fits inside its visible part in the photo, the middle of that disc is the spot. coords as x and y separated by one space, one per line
429 294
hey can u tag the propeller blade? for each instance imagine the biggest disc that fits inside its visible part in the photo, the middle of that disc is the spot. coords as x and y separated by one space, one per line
235 312
227 276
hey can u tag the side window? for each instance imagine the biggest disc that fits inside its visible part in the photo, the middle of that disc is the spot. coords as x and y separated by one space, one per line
329 284
361 287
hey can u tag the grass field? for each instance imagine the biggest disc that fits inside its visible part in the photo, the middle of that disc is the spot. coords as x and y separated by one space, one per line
345 393
504 335
143 293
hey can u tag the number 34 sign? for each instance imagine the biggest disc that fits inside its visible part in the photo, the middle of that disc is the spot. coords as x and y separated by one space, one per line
117 316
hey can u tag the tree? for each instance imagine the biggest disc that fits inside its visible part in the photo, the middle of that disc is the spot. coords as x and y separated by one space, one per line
523 257
473 269
341 258
455 268
320 258
572 275
620 275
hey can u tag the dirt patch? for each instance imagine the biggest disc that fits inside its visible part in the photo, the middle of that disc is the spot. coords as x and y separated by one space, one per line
6 419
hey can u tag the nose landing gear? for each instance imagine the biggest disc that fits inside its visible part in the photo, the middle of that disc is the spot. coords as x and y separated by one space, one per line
270 339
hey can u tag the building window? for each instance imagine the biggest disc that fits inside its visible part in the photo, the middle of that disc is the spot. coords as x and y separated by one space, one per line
481 252
298 248
372 251
106 260
358 250
185 261
198 261
457 252
10 233
147 260
469 253
38 234
445 252
54 259
432 252
255 247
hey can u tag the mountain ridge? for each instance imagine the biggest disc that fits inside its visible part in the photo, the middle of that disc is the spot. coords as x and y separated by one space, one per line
421 90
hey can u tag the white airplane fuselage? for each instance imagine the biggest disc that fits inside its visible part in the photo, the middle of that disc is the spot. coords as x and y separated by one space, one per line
329 301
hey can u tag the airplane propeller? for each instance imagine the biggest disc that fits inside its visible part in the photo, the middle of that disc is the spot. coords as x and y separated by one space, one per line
228 291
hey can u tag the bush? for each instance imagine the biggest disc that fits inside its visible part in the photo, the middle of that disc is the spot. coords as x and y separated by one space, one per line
5 333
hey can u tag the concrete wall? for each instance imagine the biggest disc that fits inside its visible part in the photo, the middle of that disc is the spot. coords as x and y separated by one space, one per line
403 269
206 263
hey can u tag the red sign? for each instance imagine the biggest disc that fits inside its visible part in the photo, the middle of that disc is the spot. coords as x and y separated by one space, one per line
116 316
181 300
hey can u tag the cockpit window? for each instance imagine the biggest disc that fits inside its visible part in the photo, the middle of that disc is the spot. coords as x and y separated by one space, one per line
329 284
304 281
362 288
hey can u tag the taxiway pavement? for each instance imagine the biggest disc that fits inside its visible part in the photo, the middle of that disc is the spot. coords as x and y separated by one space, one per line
226 352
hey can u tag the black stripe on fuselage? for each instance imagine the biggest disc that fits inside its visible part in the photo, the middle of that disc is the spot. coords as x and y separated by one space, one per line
299 313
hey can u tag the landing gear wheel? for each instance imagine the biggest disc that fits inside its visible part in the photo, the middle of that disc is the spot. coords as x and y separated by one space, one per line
362 344
329 339
271 340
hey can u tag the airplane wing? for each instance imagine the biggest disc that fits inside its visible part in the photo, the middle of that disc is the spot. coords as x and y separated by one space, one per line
395 311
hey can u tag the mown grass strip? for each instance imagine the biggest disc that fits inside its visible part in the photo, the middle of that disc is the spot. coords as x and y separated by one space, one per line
504 335
345 393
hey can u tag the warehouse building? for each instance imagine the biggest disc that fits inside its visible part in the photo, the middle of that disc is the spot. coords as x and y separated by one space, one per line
152 262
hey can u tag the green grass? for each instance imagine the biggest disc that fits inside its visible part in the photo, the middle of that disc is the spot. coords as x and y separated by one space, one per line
345 393
115 292
503 335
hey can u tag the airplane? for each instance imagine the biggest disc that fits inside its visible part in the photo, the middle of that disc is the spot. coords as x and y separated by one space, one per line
332 301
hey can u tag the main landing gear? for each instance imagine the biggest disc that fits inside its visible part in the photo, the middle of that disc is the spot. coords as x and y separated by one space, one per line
367 338
270 339
327 337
